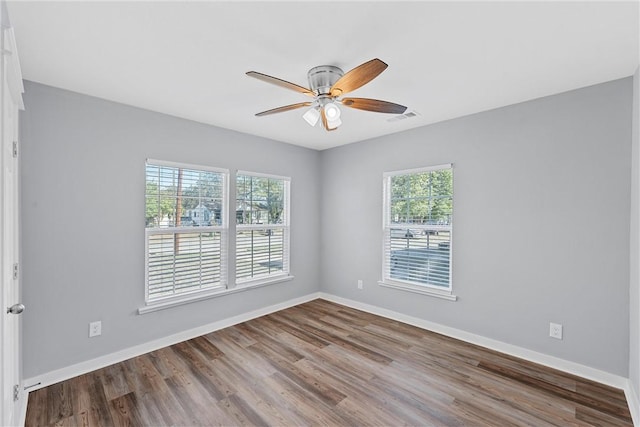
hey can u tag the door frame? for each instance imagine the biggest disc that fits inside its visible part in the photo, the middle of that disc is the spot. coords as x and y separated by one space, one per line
12 408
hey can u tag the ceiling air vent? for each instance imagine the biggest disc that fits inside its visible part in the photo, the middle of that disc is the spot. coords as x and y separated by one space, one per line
407 115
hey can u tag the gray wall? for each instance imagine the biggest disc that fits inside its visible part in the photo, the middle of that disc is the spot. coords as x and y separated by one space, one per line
83 163
541 222
634 284
541 232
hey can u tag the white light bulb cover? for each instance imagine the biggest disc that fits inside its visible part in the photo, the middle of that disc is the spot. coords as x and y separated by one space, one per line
311 116
331 111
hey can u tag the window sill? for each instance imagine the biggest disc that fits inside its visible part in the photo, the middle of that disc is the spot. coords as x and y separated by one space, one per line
214 293
419 290
256 283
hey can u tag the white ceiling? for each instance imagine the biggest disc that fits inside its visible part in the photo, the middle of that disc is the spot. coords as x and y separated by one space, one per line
446 59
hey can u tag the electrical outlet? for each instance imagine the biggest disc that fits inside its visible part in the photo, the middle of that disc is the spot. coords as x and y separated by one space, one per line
95 329
360 285
555 330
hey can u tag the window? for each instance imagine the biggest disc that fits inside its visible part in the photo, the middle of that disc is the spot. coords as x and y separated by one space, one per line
418 211
262 227
186 230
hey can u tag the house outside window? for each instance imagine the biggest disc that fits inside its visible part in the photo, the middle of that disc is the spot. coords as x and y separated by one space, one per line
186 230
417 229
262 227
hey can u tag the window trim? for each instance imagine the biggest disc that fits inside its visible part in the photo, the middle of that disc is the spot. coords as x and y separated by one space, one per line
223 229
425 289
192 166
418 170
263 175
285 275
214 293
418 289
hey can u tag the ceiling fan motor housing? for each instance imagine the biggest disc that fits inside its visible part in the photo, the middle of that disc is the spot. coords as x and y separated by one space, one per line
321 78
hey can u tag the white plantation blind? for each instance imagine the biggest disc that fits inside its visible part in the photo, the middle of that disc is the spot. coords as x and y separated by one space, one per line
186 229
262 226
418 213
261 252
194 266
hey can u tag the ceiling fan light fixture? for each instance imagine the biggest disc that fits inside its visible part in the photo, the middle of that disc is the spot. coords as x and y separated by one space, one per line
311 116
332 115
332 112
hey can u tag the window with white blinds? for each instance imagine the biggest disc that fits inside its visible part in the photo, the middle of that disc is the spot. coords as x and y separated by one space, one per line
186 229
418 212
262 226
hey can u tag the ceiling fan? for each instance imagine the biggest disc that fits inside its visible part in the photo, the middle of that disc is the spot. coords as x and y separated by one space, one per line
327 84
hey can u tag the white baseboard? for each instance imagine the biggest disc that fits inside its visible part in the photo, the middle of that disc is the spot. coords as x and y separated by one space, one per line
633 402
513 350
68 372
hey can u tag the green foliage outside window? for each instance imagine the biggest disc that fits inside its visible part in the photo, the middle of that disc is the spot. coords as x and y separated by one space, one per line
259 200
424 198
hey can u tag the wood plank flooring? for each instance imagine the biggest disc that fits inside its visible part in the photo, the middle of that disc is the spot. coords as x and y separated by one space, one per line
321 363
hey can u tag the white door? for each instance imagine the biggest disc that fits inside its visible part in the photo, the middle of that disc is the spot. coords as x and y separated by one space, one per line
12 396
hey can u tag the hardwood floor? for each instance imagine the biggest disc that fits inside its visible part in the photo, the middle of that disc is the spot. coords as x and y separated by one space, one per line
321 363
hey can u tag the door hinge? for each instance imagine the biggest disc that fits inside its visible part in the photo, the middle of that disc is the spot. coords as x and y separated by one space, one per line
16 393
15 271
15 149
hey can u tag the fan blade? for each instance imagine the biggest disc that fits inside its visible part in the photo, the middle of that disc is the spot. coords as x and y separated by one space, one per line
374 105
324 121
279 82
285 108
359 76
